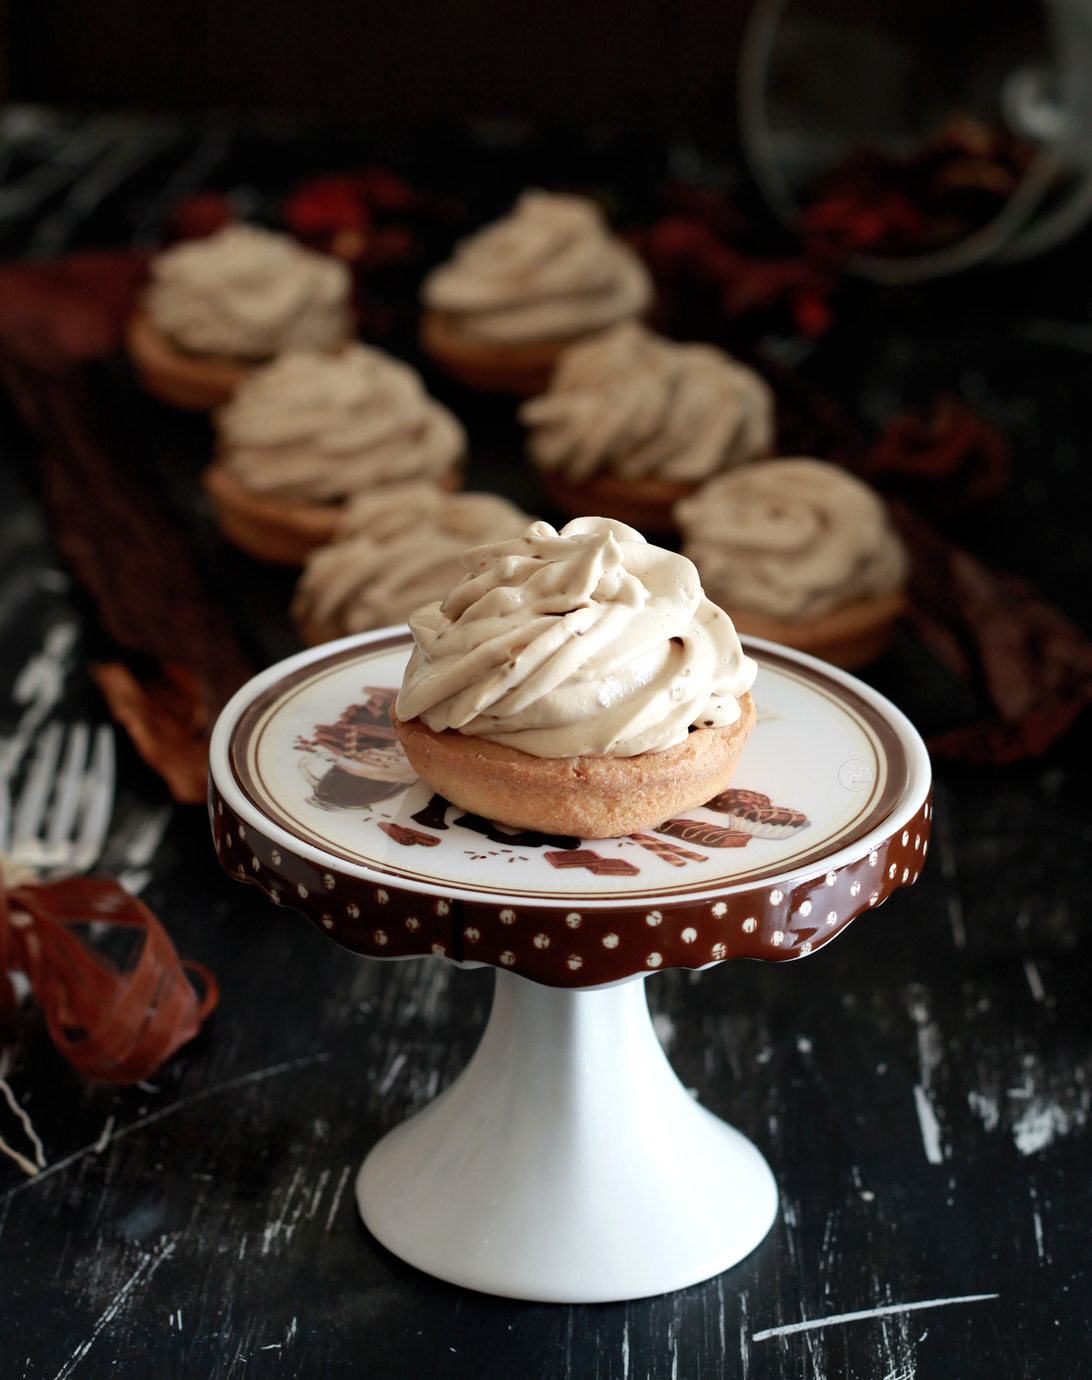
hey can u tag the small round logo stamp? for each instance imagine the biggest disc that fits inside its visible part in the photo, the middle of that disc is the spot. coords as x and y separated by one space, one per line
856 774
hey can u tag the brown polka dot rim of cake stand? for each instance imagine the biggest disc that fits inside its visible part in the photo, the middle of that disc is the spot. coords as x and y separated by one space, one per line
562 947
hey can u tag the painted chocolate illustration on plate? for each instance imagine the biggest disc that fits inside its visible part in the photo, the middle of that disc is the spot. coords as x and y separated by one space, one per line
358 762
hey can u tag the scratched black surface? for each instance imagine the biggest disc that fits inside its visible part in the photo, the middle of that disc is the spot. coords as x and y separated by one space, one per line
922 1088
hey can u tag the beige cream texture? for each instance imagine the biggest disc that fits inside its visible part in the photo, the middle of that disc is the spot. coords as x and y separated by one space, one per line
793 539
548 270
587 642
248 293
395 550
631 402
316 428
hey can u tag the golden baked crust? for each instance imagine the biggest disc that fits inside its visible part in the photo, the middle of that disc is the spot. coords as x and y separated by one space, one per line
280 533
520 369
642 503
850 637
584 797
197 383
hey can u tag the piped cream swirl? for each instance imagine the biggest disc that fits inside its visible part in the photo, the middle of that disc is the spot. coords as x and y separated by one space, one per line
396 549
587 642
791 538
316 428
645 407
248 293
549 269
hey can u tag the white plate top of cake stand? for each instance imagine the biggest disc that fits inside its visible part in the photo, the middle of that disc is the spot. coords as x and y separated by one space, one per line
567 1163
313 800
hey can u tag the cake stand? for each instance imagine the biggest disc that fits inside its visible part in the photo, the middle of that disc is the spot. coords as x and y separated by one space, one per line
567 1163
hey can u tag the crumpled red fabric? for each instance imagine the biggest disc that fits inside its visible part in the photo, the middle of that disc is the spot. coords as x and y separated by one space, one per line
685 254
997 631
112 1025
942 458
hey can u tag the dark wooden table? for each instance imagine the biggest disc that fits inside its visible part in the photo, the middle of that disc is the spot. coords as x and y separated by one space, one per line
922 1088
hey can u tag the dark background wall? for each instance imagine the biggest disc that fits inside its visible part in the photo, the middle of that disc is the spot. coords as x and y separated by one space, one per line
642 64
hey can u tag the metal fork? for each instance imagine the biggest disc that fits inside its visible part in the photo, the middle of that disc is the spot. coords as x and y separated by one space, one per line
60 820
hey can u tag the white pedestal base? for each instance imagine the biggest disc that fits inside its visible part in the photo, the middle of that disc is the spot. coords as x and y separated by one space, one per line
567 1163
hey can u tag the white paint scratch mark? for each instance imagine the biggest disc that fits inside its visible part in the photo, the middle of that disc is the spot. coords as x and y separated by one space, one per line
930 1057
1038 1221
316 1196
141 1275
291 1332
625 1350
1035 982
930 1127
1041 1123
888 1310
277 1225
104 1139
398 1063
23 1119
242 1246
31 1170
744 1349
258 1076
337 1197
985 1106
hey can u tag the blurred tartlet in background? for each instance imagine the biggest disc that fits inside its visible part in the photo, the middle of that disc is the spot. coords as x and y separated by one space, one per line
395 550
802 553
633 422
305 434
514 295
218 305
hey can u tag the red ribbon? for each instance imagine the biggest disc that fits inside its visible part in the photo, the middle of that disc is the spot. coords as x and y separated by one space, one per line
112 1025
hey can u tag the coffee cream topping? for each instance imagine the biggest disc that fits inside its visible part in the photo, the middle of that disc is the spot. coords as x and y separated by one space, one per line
644 407
396 549
793 539
248 293
550 269
318 427
587 642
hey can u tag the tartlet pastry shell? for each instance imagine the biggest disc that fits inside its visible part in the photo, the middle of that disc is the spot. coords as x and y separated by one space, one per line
850 637
277 532
519 369
642 503
196 383
583 797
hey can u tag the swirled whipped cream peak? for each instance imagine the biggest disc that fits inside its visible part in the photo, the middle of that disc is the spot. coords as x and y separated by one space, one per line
395 549
791 538
249 293
645 407
549 269
583 642
317 427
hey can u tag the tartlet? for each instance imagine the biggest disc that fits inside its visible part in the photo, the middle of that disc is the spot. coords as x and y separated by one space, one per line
583 797
515 294
632 423
801 552
307 433
217 306
393 550
577 683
